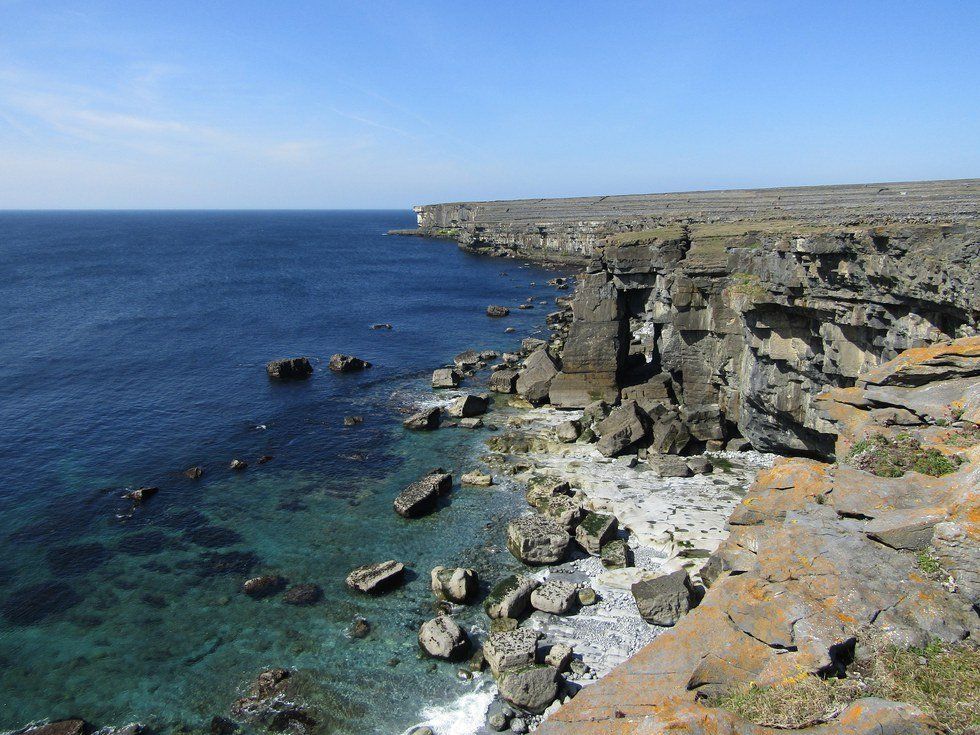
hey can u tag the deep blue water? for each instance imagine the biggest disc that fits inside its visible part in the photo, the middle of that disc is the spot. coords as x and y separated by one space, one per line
132 346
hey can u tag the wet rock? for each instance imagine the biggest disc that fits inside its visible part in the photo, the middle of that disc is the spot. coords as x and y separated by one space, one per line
470 423
556 598
497 311
503 380
468 405
616 554
568 431
454 584
559 656
238 465
534 381
353 420
222 726
499 716
376 578
595 530
384 325
537 540
500 625
347 363
442 638
510 597
425 420
141 494
34 603
194 473
664 600
477 479
519 725
264 586
359 628
511 649
420 497
303 594
531 688
446 378
626 426
73 726
291 368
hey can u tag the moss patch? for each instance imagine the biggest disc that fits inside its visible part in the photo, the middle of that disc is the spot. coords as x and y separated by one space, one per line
886 457
943 680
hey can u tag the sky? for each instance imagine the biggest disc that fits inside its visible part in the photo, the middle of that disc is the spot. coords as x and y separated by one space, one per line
374 104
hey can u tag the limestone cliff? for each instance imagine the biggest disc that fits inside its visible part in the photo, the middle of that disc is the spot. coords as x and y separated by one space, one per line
733 310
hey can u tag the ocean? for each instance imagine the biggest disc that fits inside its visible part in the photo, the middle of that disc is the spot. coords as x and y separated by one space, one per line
133 346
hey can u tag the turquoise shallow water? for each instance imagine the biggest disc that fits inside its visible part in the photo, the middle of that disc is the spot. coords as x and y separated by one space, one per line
134 347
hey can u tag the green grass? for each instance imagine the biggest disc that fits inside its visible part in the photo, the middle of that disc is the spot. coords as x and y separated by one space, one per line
747 284
722 463
647 237
942 680
886 457
928 563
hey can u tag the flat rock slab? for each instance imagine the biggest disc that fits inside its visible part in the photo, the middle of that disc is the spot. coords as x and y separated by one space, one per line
420 497
376 578
910 529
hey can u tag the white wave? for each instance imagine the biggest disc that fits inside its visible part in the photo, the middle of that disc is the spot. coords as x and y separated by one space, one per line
464 716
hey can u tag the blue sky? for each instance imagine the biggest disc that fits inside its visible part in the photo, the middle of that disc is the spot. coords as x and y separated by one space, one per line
386 104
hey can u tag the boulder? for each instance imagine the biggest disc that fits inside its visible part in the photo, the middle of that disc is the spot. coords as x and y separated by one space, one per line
587 597
535 379
535 539
302 594
664 600
420 497
540 491
238 465
446 378
353 420
425 420
264 586
290 368
626 426
616 555
477 478
497 311
347 363
568 431
376 578
595 530
595 412
468 405
194 473
510 597
503 381
738 444
442 638
559 656
468 360
669 434
669 465
454 584
556 598
531 688
511 649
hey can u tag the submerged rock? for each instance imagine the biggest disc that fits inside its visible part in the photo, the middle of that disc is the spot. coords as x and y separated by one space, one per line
264 586
442 638
303 594
290 368
34 603
376 578
141 494
347 363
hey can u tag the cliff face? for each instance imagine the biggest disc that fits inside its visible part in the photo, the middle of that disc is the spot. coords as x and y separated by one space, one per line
733 310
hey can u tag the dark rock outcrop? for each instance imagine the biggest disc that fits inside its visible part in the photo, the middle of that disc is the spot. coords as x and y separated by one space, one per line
420 497
347 363
290 368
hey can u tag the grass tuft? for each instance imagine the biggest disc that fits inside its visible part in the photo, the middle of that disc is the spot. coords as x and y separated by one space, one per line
886 457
